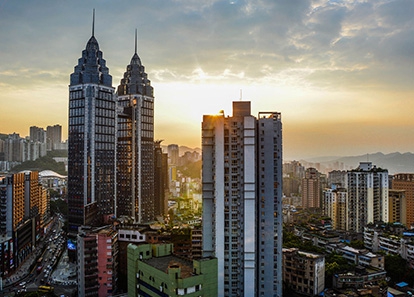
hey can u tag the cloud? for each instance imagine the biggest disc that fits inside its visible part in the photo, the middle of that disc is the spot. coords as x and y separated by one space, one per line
364 38
297 50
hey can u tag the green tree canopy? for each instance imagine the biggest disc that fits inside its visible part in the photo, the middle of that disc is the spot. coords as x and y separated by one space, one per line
44 163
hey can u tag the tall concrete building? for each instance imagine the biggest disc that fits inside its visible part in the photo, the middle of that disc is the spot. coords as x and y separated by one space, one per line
92 133
160 180
135 168
37 134
405 181
53 137
242 200
367 188
23 213
15 148
337 178
311 189
335 206
97 261
173 154
293 173
397 207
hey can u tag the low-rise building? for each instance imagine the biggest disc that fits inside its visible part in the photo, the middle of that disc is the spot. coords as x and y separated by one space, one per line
394 241
361 278
361 257
303 272
154 271
318 236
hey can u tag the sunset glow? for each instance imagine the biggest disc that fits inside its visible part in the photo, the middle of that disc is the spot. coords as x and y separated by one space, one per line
340 72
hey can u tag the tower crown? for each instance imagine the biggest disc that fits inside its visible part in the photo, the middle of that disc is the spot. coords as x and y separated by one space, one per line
91 66
135 60
135 79
92 44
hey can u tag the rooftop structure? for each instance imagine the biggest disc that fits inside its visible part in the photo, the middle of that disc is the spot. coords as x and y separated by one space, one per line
154 271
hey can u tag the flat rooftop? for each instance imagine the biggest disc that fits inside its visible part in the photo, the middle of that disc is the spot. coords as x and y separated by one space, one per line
163 263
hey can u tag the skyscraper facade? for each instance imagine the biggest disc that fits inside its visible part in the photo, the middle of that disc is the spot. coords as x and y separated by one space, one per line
135 168
161 180
405 181
37 134
242 200
92 132
173 154
397 210
23 213
367 188
335 206
53 136
311 189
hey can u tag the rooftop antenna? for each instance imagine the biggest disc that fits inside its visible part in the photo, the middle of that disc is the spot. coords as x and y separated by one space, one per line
93 23
136 40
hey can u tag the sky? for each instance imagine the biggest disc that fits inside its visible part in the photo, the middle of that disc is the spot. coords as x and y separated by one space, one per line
340 72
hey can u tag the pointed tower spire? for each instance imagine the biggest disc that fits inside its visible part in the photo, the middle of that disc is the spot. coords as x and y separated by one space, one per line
136 40
93 23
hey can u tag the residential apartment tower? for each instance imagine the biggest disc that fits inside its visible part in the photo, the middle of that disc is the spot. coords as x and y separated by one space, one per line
242 200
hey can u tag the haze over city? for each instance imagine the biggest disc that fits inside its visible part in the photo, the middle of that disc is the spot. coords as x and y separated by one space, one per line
340 72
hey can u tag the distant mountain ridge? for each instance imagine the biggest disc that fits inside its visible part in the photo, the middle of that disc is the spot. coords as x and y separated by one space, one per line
394 162
182 149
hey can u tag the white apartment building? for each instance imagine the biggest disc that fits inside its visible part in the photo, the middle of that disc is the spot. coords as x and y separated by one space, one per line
367 188
242 200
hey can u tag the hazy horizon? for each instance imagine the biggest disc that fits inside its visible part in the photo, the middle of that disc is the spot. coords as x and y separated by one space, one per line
340 72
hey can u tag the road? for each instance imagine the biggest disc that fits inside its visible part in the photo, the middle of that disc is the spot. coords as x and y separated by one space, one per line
47 254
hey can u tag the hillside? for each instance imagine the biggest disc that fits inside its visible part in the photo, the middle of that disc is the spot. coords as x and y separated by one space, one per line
394 162
44 163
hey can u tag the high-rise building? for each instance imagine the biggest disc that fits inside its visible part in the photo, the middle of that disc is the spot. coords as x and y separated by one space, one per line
337 178
17 149
173 154
367 188
135 168
97 261
37 134
397 209
12 202
335 206
14 148
311 189
242 200
23 197
53 137
160 180
293 173
92 133
405 181
23 213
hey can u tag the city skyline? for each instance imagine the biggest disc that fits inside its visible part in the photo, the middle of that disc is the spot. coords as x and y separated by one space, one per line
340 72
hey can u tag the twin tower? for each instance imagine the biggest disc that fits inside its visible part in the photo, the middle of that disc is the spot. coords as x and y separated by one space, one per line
111 142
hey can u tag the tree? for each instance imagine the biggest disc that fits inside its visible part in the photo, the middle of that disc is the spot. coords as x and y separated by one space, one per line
58 206
396 268
43 163
357 244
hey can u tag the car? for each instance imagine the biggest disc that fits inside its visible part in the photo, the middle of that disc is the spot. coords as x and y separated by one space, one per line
22 284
